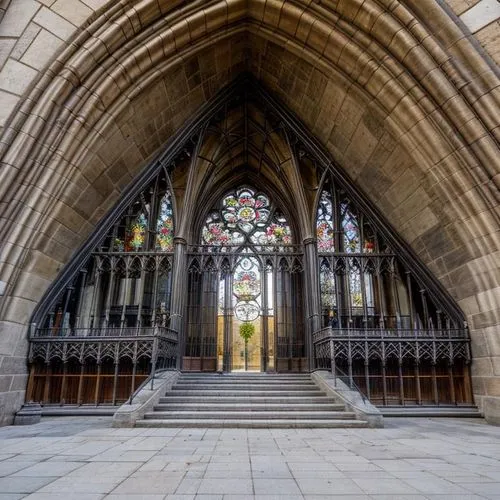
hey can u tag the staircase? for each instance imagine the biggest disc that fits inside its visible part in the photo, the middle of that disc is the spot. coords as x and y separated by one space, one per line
256 400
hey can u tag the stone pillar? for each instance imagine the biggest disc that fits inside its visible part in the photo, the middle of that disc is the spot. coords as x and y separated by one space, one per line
313 305
179 290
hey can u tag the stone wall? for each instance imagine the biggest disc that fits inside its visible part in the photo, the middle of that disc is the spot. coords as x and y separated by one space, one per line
404 99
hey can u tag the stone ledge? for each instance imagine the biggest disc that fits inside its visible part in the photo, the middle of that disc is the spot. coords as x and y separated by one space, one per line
491 409
353 400
145 400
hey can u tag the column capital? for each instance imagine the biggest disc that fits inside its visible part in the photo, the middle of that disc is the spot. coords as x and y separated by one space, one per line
178 240
309 241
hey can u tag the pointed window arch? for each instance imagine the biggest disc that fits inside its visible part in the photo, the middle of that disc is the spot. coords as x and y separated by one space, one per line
364 282
126 280
165 224
325 223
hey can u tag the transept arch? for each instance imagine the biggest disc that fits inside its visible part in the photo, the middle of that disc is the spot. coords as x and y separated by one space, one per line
411 117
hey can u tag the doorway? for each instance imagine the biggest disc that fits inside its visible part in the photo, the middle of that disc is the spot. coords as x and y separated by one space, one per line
245 309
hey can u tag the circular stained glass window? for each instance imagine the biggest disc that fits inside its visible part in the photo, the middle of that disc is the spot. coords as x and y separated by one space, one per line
245 216
247 310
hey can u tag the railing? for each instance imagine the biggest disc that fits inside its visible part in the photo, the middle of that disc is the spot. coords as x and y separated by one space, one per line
144 383
161 359
265 249
389 334
348 380
57 333
331 345
160 344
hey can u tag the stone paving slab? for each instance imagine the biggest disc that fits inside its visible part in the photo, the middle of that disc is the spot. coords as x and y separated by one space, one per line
74 458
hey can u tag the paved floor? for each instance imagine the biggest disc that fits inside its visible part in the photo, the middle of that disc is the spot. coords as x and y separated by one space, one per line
411 459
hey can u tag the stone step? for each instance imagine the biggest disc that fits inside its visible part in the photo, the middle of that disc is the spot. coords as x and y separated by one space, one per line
251 423
215 381
75 410
247 399
430 411
223 406
244 393
263 377
247 387
252 415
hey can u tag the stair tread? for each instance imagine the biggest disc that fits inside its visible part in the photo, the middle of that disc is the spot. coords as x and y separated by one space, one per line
247 391
248 387
304 423
333 406
239 414
252 397
253 400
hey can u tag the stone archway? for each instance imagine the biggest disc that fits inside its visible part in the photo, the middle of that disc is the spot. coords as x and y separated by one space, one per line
399 96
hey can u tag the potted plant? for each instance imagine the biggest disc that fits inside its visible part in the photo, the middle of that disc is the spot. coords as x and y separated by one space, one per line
247 330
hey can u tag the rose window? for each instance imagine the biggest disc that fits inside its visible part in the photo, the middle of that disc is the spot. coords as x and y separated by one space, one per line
246 217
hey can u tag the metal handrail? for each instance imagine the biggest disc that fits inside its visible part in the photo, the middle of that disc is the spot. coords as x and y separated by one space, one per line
145 382
154 362
349 381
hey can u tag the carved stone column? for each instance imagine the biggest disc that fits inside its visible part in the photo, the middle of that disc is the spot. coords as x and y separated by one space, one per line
179 290
313 303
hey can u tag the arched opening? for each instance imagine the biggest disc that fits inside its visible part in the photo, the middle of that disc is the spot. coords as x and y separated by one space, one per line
244 306
276 262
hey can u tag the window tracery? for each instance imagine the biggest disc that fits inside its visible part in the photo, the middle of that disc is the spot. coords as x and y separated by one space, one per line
165 225
246 217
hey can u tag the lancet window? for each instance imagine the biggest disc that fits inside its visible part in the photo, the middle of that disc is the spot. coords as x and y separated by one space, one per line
383 327
96 341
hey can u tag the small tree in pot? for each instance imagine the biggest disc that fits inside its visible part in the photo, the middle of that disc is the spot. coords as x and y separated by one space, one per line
246 332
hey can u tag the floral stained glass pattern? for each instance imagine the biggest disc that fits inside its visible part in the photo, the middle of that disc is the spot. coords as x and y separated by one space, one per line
246 285
245 211
216 232
246 216
165 225
247 289
136 234
324 223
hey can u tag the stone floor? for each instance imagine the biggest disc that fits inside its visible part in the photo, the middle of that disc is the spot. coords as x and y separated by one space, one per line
84 458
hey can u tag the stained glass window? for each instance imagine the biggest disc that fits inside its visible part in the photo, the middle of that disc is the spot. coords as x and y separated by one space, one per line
325 226
247 289
369 238
346 273
165 225
355 287
246 216
327 285
350 226
147 224
136 234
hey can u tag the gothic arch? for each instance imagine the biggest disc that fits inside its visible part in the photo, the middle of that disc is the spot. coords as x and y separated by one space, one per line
402 79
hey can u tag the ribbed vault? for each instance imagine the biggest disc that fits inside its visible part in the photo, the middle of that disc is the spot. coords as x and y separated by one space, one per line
247 146
395 91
